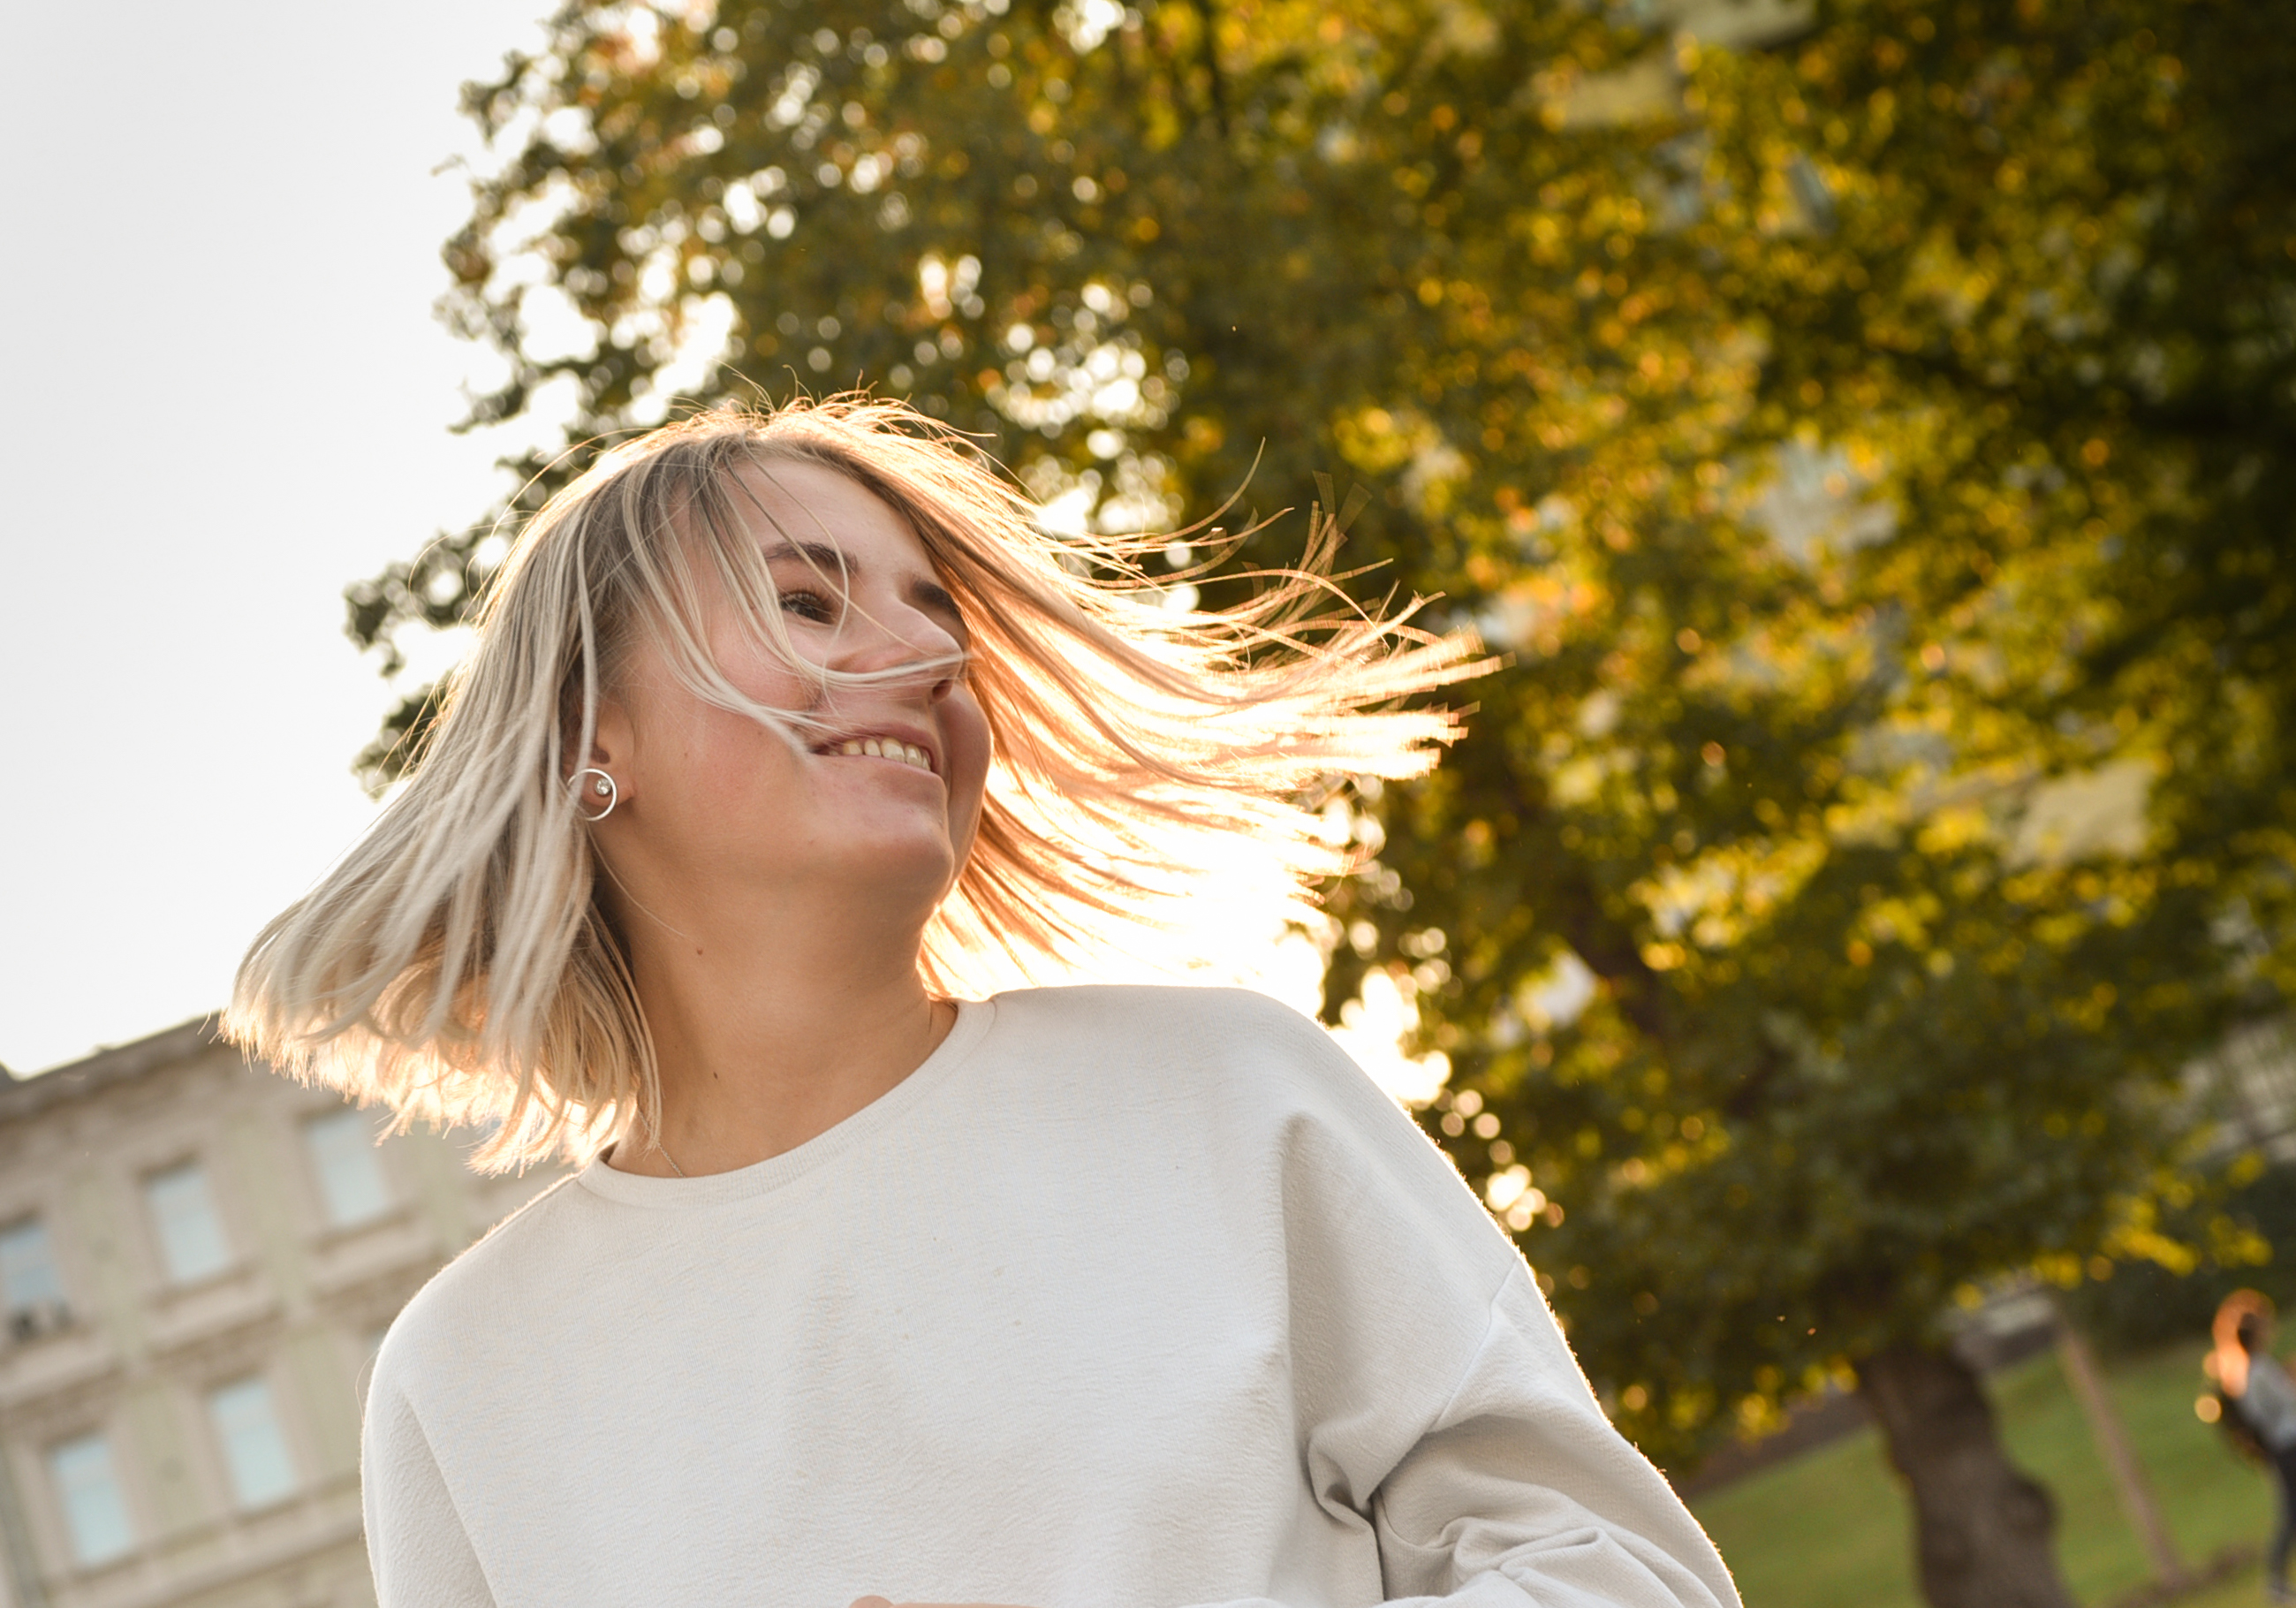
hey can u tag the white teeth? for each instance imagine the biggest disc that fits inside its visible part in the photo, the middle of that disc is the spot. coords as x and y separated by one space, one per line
886 748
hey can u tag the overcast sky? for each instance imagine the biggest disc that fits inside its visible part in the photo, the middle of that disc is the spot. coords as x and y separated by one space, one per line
225 398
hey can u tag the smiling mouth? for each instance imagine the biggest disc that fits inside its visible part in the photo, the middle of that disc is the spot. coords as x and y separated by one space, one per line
881 748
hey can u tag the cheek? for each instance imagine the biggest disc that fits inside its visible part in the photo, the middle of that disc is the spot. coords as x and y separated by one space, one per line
720 760
970 748
757 673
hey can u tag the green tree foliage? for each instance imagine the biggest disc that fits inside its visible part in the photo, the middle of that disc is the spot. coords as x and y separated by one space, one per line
1874 447
2017 279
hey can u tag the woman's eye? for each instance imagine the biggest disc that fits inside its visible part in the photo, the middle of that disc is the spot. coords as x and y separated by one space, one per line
809 605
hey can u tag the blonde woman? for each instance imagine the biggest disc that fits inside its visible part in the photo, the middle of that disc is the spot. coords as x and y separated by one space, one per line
783 738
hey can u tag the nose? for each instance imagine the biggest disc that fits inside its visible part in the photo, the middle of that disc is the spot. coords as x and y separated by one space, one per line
888 639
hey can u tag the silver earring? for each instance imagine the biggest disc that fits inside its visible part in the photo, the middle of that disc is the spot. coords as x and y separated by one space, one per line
603 787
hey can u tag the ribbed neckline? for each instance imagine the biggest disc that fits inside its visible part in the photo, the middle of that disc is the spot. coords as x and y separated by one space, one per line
973 1020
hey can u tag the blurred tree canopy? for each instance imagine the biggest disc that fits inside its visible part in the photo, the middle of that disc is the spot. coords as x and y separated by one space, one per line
1875 445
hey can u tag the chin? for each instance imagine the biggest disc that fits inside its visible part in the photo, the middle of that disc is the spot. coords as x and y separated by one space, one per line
895 860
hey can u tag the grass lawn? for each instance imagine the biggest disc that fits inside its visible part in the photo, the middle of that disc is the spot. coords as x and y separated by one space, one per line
1831 1528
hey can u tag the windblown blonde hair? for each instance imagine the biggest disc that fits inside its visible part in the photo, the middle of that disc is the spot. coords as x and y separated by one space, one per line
458 966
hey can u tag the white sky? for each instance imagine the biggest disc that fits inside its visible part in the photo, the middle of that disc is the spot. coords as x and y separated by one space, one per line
226 398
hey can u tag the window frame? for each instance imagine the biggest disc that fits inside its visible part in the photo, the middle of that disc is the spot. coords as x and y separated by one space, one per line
42 1315
60 1489
391 1198
232 1257
211 1402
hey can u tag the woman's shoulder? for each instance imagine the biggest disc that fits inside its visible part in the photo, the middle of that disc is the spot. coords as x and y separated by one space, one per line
1219 1049
1227 1030
499 1273
1100 1008
1268 1096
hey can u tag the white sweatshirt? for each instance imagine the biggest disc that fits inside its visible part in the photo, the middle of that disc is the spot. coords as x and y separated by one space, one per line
1126 1298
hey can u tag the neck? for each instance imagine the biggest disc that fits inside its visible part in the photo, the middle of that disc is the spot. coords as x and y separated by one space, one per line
772 1023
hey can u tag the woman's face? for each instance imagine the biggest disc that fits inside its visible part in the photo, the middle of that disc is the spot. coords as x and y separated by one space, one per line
884 797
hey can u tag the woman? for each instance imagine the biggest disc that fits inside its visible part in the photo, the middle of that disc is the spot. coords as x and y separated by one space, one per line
2255 1387
781 736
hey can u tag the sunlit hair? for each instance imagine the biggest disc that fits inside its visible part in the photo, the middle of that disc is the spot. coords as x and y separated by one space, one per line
458 966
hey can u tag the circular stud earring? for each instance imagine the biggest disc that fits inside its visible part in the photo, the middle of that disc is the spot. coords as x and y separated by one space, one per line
603 787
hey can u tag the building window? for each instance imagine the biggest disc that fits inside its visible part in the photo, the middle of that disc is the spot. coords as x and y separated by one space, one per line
254 1451
183 1211
350 1171
31 1289
88 1488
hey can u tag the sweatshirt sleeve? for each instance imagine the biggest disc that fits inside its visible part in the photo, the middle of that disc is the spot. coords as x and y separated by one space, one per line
1520 1493
1438 1402
416 1546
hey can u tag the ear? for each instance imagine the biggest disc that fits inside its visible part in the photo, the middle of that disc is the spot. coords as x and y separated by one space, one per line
613 745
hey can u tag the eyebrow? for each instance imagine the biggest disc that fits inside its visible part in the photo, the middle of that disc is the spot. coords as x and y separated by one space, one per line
827 560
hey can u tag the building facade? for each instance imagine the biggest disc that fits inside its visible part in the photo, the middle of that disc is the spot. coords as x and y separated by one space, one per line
198 1258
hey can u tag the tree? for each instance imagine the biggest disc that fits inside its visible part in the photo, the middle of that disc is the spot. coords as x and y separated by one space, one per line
1862 1034
1871 447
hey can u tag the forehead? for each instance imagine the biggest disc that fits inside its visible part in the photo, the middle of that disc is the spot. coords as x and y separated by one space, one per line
794 502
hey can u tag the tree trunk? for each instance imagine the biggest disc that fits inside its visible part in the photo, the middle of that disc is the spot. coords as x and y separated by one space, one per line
1981 1528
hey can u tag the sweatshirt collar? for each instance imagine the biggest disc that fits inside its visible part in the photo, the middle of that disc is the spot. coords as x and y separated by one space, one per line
973 1019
